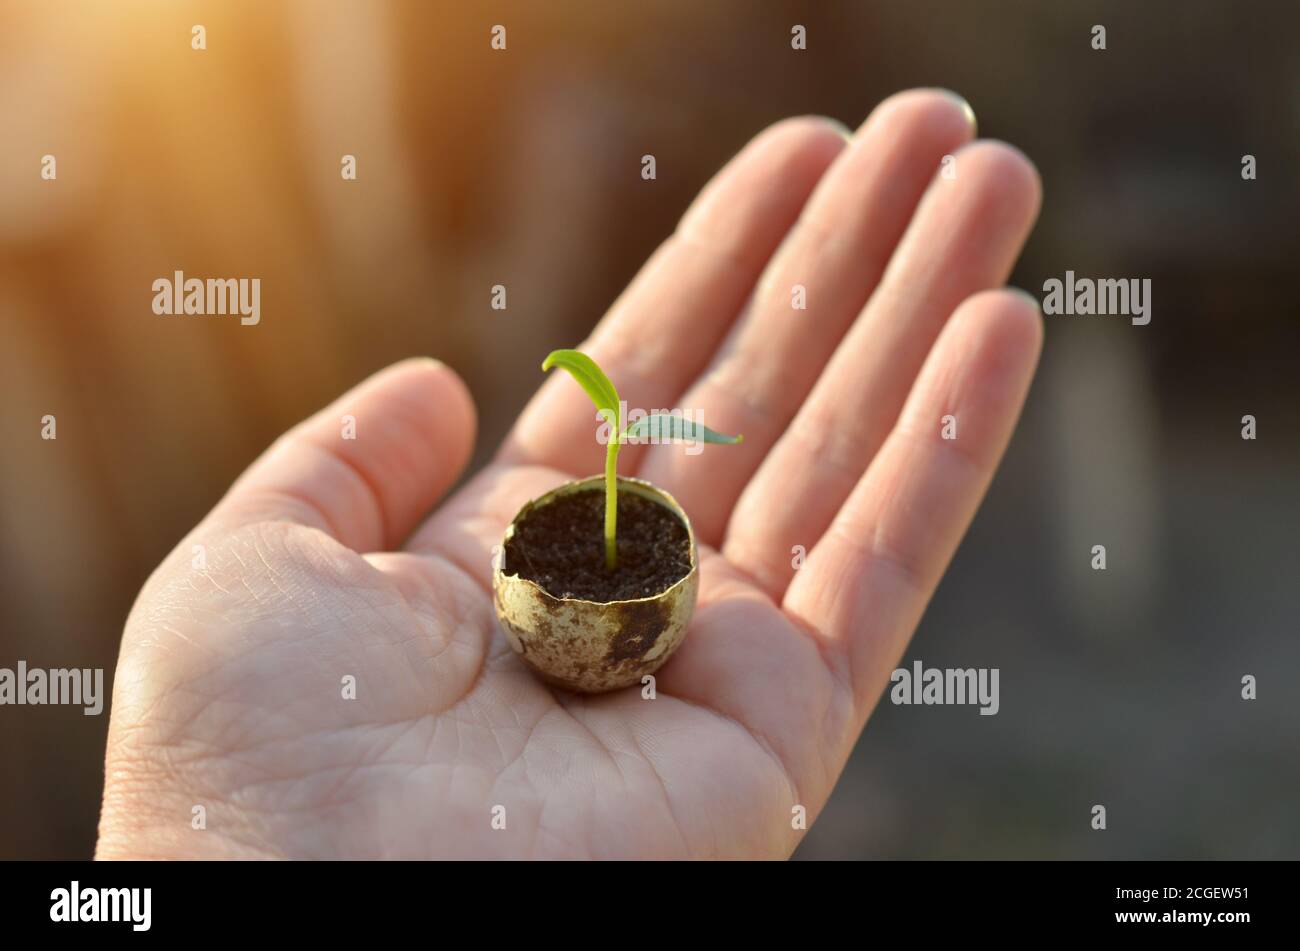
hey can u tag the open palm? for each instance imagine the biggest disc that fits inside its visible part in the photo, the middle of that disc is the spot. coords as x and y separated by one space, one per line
316 670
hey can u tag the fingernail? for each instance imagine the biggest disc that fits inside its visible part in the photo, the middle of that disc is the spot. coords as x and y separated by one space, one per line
838 126
1037 305
964 105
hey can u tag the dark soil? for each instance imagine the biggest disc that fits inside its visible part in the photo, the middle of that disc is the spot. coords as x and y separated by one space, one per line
561 546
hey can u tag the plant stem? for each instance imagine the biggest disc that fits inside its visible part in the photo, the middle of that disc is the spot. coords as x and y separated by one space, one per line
611 499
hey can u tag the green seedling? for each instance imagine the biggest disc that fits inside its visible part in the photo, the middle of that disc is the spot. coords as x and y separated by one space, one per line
665 426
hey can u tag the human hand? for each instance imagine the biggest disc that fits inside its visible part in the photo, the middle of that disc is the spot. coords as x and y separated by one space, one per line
317 566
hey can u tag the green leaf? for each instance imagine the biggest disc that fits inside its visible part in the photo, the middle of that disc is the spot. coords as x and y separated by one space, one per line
673 428
590 377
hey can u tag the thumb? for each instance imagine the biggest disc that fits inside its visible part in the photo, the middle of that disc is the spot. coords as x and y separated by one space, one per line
369 466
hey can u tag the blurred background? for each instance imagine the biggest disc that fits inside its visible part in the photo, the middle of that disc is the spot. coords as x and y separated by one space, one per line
478 167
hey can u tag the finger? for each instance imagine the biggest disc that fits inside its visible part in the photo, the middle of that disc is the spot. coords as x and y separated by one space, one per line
366 468
965 238
866 584
836 253
660 333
